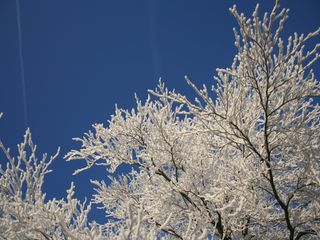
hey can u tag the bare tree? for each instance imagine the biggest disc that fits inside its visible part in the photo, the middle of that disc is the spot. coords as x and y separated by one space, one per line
239 162
24 213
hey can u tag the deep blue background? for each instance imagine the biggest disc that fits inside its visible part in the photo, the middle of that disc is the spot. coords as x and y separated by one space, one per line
82 57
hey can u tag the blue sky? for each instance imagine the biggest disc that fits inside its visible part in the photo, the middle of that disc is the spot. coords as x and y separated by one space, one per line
82 57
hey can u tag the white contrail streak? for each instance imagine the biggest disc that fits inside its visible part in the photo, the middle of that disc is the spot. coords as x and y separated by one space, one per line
156 61
23 82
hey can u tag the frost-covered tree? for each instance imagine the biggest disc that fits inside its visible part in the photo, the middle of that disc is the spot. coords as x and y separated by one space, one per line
241 161
24 213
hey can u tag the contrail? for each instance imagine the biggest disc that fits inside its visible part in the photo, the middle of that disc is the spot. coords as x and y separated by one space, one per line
153 39
23 82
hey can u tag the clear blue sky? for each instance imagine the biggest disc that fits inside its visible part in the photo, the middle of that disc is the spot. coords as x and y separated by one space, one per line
82 57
